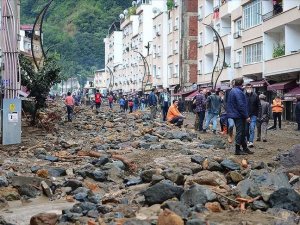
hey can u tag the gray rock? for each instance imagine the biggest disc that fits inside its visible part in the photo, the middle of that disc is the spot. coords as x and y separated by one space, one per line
284 217
3 221
145 145
157 146
177 207
18 181
150 138
28 190
198 159
230 165
133 181
146 175
205 146
93 214
285 198
3 181
81 197
39 151
216 142
161 192
292 158
156 179
136 222
119 164
56 171
101 161
196 222
51 158
259 204
213 165
74 184
177 134
146 116
174 175
197 194
97 175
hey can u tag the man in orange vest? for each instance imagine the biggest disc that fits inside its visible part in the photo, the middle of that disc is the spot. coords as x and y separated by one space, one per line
277 109
173 115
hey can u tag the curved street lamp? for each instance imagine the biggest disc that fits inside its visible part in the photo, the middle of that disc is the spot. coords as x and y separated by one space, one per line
219 39
146 67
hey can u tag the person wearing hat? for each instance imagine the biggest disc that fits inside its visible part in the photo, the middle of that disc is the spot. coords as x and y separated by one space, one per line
263 120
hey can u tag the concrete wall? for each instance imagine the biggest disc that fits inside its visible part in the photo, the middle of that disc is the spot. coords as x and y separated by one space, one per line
292 34
288 4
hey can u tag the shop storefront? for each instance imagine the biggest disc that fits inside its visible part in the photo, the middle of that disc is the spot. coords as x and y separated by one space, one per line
290 102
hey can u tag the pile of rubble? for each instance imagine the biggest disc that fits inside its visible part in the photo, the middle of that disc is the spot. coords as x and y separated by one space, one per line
120 169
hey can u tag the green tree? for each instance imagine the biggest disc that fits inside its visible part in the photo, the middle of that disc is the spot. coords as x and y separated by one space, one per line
39 82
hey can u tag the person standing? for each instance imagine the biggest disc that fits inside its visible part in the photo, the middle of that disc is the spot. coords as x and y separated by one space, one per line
126 104
98 101
130 104
173 115
297 112
263 120
122 104
152 101
110 101
254 112
165 102
136 102
142 103
213 109
237 109
277 109
69 102
223 115
200 107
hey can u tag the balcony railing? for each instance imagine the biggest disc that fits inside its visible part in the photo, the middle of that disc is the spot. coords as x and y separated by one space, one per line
272 14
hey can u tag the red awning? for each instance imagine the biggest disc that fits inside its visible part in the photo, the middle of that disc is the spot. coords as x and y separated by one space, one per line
258 83
282 86
191 96
293 93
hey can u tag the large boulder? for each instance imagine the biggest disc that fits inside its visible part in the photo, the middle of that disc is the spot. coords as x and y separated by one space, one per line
291 158
44 219
168 217
216 142
161 192
262 182
230 165
285 198
206 177
197 194
177 207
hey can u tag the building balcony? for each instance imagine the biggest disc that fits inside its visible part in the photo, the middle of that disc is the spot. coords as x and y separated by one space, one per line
227 40
284 64
252 69
273 20
208 49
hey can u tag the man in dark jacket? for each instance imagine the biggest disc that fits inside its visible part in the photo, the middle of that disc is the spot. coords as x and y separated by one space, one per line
152 101
254 112
200 103
263 120
237 109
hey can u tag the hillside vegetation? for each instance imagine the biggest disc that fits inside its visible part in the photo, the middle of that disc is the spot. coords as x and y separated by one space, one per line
75 29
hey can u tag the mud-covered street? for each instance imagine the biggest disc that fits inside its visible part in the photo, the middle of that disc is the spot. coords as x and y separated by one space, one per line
124 169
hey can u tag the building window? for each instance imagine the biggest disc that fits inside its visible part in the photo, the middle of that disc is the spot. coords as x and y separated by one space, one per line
170 26
170 50
252 14
158 72
200 67
170 70
154 71
238 25
176 70
253 53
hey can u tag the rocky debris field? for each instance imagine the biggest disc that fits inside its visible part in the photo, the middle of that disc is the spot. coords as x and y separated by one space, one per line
113 168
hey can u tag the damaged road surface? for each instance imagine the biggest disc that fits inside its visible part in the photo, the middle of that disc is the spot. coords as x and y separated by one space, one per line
114 168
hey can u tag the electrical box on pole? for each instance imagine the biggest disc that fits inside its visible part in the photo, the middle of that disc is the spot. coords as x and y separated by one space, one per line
10 72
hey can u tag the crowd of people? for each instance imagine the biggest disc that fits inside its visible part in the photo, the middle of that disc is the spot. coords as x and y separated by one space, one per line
238 107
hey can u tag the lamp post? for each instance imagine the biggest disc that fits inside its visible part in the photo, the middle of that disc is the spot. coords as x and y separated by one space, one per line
219 39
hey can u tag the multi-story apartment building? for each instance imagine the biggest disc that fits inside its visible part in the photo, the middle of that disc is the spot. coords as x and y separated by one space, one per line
260 41
100 81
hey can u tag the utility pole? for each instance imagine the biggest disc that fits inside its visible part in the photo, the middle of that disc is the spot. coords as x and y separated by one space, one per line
10 72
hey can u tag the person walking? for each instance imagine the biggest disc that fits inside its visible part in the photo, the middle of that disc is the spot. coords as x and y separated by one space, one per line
122 104
130 104
263 120
297 112
152 101
165 102
136 102
110 101
277 109
173 115
213 104
69 102
98 100
142 103
254 112
237 109
223 114
126 104
200 107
